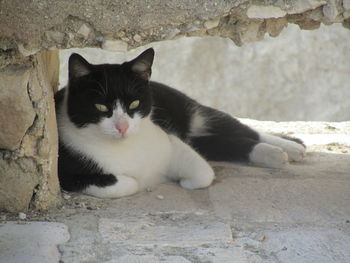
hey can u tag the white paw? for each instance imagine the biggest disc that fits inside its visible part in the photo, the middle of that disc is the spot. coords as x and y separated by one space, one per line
201 178
125 186
296 152
268 155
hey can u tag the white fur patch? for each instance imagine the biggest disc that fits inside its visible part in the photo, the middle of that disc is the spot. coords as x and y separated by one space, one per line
267 155
198 124
124 187
295 151
188 166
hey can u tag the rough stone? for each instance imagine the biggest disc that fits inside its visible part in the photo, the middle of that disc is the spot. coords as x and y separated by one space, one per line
137 38
22 216
300 6
16 185
330 10
145 231
346 4
287 241
48 193
212 23
316 14
16 109
83 24
55 36
308 24
29 145
148 259
275 26
32 242
115 45
251 33
84 31
29 174
34 89
255 11
346 16
27 49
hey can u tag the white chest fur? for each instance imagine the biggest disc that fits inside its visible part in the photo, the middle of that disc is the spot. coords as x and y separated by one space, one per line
144 156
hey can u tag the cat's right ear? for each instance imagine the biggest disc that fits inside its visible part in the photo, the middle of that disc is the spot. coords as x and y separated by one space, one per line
142 65
78 66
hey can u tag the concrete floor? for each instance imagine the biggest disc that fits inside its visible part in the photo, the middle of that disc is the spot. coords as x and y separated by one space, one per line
297 214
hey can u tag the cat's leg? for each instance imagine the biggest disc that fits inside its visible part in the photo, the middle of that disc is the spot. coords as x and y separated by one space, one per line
222 148
293 147
219 137
188 166
101 185
124 186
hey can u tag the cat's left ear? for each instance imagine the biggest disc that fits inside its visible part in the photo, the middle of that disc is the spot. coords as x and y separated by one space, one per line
142 65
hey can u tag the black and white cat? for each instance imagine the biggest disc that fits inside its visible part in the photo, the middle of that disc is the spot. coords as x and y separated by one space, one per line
120 133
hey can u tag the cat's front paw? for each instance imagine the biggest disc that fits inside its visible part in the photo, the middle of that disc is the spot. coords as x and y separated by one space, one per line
124 186
296 152
267 155
201 178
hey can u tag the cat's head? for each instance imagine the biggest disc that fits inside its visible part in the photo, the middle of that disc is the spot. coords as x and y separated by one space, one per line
110 98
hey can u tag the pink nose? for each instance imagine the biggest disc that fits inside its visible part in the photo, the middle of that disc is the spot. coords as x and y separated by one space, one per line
122 127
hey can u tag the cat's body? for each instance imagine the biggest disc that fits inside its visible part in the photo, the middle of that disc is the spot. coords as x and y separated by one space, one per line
145 133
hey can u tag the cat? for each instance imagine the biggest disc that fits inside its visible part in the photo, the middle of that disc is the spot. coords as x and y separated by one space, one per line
120 133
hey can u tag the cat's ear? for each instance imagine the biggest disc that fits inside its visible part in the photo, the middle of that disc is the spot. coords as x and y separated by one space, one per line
78 66
142 65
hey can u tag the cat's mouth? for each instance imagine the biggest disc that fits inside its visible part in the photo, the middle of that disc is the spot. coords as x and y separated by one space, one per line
117 136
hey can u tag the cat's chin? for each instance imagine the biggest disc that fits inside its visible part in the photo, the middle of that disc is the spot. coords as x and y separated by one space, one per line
112 136
117 136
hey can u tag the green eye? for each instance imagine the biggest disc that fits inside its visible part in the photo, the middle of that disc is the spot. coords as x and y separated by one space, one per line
101 107
133 105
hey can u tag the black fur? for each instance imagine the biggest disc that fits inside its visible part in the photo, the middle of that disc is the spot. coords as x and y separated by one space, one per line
229 140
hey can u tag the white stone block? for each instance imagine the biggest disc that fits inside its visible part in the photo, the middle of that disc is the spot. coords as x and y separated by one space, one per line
115 45
263 12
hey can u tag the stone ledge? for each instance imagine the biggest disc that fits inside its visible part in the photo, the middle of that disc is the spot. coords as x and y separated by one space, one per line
33 26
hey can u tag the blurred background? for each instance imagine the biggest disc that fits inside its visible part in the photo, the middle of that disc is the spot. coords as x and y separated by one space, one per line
298 76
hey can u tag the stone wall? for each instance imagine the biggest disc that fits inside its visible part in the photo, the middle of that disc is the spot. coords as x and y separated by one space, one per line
28 133
31 26
28 72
